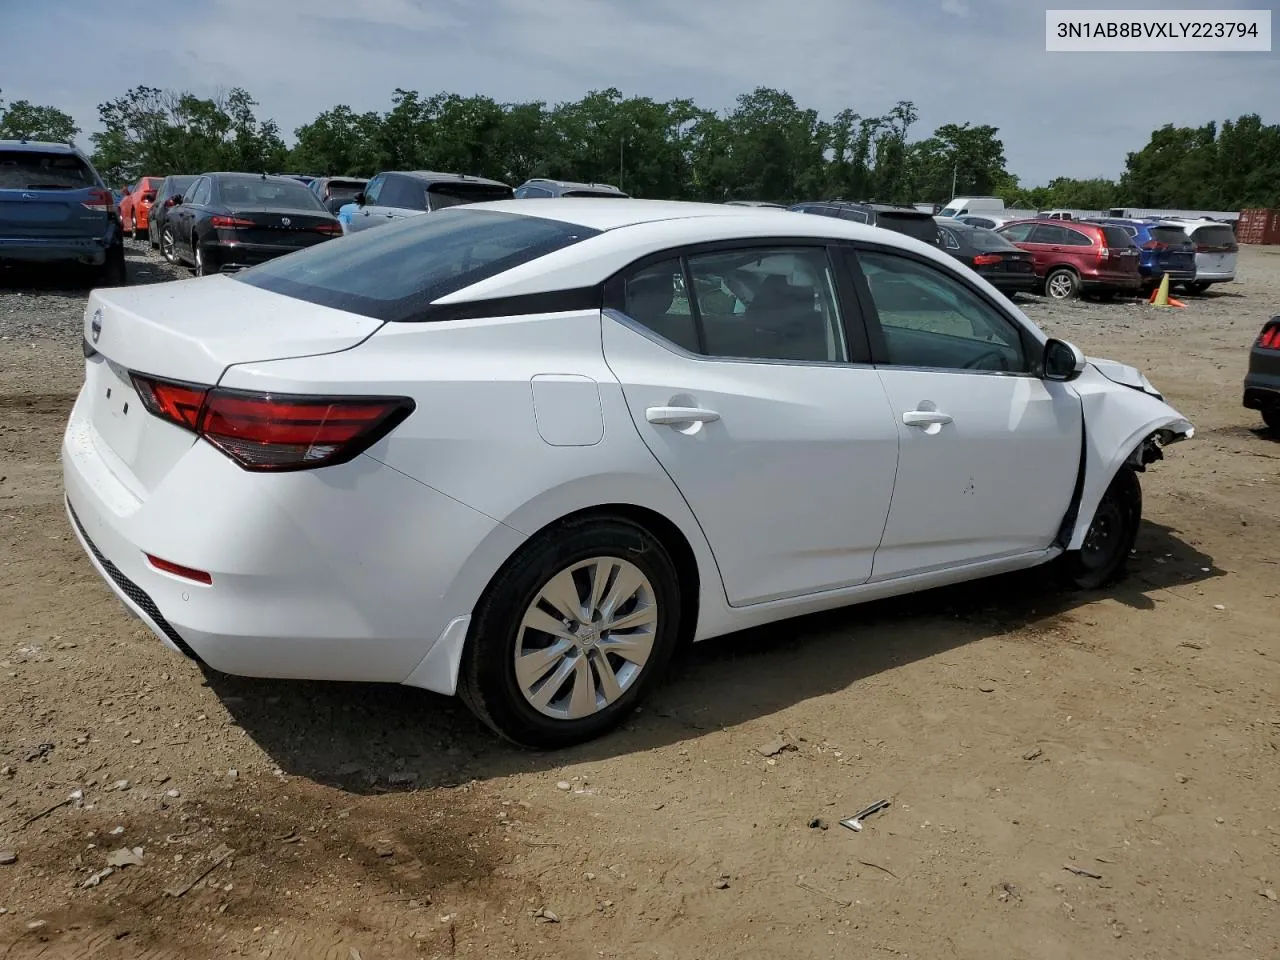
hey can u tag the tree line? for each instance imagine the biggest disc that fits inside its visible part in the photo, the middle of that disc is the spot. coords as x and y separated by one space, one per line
767 147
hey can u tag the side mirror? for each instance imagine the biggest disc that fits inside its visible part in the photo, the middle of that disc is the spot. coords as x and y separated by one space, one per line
1062 361
358 199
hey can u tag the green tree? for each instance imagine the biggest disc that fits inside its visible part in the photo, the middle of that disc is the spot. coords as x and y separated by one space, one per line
24 120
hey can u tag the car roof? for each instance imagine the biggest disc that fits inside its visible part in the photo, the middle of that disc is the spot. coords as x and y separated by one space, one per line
40 146
242 175
574 184
608 213
435 176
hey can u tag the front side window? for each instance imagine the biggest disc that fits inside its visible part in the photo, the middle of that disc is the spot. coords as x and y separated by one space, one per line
374 190
931 319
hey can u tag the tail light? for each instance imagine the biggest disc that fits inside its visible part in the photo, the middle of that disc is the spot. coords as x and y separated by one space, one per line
100 200
1155 245
987 259
1104 253
328 229
265 432
171 202
178 570
230 223
1270 338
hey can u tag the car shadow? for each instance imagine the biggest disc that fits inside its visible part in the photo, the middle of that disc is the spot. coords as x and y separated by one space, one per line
73 282
377 738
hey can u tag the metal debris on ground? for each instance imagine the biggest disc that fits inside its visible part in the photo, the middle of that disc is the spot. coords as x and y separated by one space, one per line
840 901
854 823
1033 754
817 823
219 855
74 797
1079 872
774 747
124 857
8 858
98 877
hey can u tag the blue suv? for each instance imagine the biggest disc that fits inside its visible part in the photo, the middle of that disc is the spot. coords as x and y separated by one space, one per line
1164 249
54 208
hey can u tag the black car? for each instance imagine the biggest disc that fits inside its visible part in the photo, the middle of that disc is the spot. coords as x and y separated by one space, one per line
1262 382
167 198
988 254
336 191
900 217
232 220
55 209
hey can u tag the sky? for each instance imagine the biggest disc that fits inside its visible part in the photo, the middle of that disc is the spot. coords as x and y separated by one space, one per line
981 61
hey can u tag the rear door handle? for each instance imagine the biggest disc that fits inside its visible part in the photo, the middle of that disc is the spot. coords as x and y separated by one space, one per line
669 415
924 418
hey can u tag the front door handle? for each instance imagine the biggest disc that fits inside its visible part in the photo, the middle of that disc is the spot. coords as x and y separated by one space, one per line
924 418
670 415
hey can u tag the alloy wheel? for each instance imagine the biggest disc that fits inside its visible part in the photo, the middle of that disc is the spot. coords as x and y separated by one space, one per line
199 258
166 245
1060 286
585 638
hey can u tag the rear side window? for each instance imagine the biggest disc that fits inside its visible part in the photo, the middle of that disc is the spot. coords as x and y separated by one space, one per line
403 193
857 216
1219 238
31 170
393 273
1075 238
441 195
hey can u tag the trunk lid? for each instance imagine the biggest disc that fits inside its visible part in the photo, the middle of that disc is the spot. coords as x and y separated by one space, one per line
281 227
191 331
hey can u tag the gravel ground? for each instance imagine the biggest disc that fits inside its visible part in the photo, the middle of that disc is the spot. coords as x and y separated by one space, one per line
1072 775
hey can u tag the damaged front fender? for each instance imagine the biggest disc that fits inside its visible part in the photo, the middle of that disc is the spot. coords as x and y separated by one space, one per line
1124 424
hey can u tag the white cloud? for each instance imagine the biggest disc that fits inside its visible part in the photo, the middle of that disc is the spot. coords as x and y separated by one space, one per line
1059 114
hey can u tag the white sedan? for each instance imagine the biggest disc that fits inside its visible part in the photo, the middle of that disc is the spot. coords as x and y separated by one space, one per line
520 452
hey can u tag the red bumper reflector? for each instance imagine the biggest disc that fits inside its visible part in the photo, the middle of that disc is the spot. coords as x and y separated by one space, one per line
178 570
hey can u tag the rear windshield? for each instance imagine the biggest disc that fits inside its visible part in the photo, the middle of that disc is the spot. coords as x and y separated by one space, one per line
1216 236
452 194
277 194
393 273
29 170
1117 237
344 188
1173 236
918 225
988 240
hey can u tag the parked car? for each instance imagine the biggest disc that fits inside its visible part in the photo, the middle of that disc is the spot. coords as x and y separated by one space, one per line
755 203
167 198
496 451
302 177
1078 257
959 206
395 194
1164 249
136 205
336 192
1262 382
902 218
1216 251
540 188
54 208
226 221
990 255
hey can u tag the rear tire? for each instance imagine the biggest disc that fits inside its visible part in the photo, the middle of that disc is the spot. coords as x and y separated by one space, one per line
203 267
1062 284
167 252
113 272
1271 417
538 708
1110 537
133 226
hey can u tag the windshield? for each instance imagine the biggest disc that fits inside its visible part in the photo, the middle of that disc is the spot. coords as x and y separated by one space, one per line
276 194
393 273
452 194
29 170
949 211
344 188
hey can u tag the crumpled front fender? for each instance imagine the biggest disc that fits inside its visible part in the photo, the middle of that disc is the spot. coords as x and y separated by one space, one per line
1118 423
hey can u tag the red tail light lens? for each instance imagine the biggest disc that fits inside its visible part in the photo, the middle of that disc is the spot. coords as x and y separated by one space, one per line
100 200
986 259
1270 338
328 229
275 432
230 223
178 403
178 570
1155 245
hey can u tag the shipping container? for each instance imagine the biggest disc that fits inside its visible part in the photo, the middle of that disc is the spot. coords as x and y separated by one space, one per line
1259 226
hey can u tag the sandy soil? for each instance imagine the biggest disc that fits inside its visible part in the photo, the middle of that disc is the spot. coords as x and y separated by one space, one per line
1023 734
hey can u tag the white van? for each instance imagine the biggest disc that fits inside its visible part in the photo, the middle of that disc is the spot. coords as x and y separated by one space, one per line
959 206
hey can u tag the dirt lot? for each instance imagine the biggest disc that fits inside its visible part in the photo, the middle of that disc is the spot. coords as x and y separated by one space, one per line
1023 734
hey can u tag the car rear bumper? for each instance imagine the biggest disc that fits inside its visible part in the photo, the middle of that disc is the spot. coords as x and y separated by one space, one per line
342 573
1011 282
1262 382
1215 277
233 256
91 251
1175 274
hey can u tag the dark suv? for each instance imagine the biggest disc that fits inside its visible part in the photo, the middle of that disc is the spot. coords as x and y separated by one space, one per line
901 218
1262 382
167 198
540 187
54 208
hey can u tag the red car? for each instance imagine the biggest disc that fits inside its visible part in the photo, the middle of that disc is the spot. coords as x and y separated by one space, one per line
1072 257
136 205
